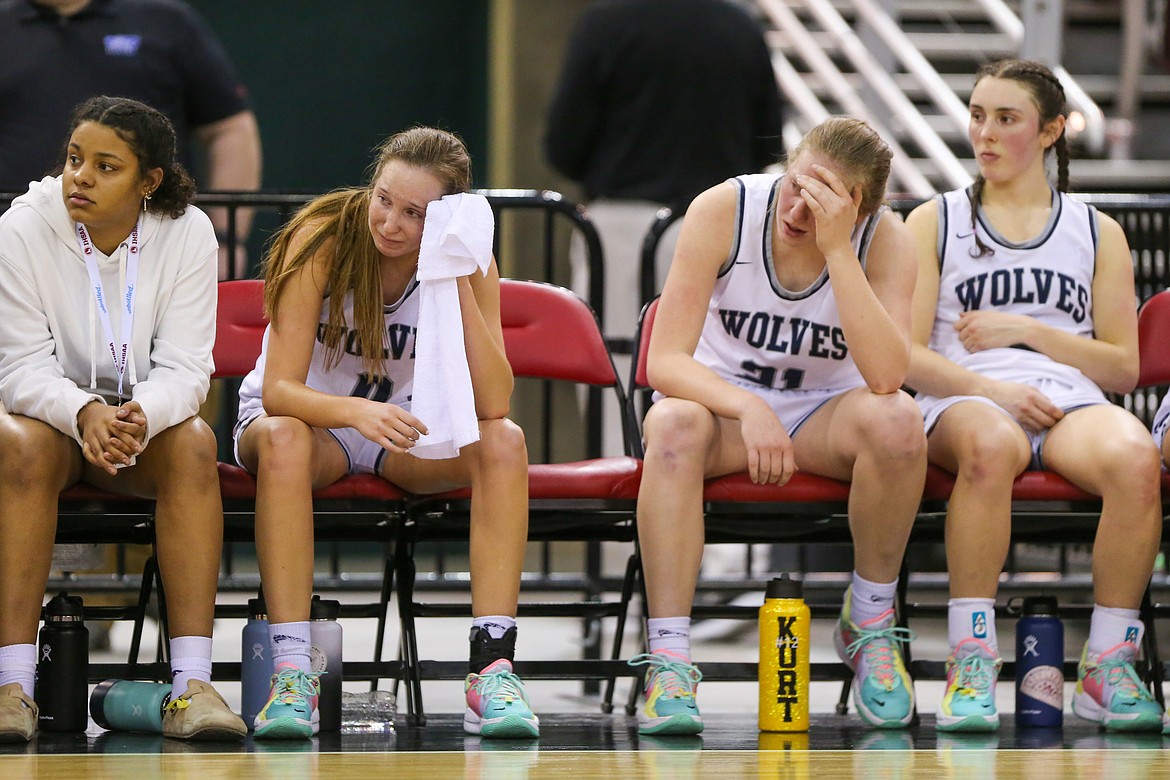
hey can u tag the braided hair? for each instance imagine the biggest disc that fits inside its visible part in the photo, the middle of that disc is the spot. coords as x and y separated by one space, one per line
1048 95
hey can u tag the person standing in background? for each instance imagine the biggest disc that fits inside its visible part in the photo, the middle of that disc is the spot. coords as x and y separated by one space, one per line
58 53
657 101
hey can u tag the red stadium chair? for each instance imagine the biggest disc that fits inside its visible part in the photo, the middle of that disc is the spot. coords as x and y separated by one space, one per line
550 335
362 508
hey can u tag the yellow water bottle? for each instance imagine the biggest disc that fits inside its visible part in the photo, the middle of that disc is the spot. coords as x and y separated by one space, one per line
784 649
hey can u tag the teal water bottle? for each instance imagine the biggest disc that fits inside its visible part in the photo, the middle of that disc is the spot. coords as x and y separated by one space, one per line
130 705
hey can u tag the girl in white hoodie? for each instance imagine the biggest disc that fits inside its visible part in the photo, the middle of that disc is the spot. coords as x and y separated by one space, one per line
108 288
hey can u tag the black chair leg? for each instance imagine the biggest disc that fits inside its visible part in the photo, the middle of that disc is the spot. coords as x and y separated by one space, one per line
149 573
404 563
633 566
383 612
1150 650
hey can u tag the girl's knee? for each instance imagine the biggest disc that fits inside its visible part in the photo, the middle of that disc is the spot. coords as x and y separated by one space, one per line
1132 466
892 424
678 427
282 439
188 448
502 442
17 441
992 453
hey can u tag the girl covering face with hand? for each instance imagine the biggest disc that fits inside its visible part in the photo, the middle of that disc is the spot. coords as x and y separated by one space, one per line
780 344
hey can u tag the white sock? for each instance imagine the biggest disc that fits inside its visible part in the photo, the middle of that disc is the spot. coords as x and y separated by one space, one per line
290 644
673 634
1110 626
972 618
495 625
190 660
18 664
870 599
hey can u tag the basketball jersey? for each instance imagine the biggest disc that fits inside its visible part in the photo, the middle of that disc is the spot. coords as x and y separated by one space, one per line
1048 278
348 377
756 333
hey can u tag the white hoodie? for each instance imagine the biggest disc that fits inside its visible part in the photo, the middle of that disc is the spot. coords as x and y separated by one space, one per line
54 358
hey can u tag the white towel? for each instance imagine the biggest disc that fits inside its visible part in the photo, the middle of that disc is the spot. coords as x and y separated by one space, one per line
456 241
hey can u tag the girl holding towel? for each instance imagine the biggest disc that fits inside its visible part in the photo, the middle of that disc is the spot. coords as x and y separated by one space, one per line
331 395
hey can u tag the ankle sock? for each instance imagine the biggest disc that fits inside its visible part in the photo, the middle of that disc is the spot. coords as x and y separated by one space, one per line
1110 626
670 633
291 643
870 599
972 618
190 660
18 664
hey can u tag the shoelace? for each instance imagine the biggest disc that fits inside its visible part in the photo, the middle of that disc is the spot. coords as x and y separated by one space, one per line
678 679
879 645
295 684
1122 676
974 677
502 683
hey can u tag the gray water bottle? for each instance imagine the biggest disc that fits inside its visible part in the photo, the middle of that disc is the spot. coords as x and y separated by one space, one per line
325 655
256 666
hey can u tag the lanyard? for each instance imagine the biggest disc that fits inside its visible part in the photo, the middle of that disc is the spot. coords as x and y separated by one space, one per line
119 355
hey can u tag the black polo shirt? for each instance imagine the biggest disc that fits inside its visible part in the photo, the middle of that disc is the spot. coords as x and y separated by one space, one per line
157 51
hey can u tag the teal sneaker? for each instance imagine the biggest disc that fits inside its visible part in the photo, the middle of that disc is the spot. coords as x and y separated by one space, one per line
291 710
1110 692
882 689
969 703
497 705
670 706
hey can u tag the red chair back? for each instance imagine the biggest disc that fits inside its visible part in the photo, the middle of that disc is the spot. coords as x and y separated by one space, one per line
550 333
1154 340
239 327
642 347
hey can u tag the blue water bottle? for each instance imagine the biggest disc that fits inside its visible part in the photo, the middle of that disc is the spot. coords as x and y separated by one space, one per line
256 662
1039 664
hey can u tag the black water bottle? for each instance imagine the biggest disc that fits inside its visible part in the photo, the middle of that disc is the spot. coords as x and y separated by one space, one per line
63 666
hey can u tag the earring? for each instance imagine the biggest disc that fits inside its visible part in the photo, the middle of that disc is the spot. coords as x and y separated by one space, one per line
146 200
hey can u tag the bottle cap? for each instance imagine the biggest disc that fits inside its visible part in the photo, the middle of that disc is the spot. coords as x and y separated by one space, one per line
783 587
97 701
324 609
1039 605
63 608
257 608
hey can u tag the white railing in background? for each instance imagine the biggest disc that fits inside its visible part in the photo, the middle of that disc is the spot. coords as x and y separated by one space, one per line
1089 129
906 174
1088 125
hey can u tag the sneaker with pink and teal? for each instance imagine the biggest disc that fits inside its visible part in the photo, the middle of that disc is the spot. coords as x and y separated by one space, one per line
497 705
1110 692
882 689
291 710
670 706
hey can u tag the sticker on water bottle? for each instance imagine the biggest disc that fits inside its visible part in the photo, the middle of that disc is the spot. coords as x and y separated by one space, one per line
318 662
1045 684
